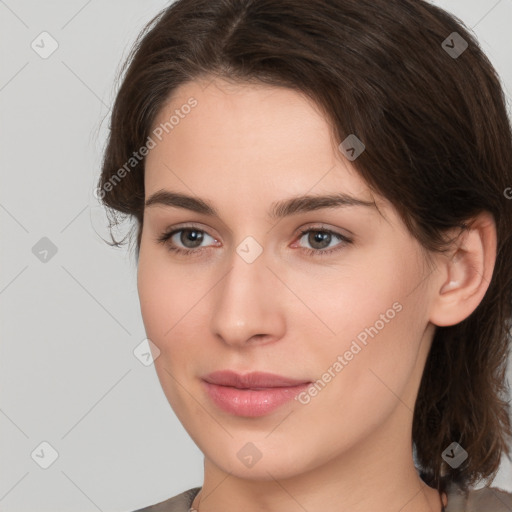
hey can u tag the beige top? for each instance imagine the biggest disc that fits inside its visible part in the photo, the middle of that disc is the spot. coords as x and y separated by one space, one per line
488 499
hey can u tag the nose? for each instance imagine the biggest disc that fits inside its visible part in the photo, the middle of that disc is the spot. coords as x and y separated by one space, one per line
248 304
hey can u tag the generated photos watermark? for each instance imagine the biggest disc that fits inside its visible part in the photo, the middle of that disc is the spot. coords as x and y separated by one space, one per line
360 341
137 156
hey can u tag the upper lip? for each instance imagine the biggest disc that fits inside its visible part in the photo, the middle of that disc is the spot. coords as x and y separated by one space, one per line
251 380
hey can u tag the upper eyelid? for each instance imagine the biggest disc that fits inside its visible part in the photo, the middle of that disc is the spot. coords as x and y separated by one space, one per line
300 231
315 227
343 240
177 229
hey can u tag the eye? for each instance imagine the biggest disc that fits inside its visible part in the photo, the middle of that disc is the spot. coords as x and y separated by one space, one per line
191 237
319 238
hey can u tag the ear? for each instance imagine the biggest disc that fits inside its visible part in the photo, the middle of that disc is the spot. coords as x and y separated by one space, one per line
465 272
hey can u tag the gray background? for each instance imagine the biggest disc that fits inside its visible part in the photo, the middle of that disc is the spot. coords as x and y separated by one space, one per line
70 324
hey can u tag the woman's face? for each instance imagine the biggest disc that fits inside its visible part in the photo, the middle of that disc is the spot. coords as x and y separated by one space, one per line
344 306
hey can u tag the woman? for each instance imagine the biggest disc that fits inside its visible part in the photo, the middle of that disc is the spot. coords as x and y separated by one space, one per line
323 248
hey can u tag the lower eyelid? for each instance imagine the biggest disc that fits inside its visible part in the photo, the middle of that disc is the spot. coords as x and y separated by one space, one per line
166 237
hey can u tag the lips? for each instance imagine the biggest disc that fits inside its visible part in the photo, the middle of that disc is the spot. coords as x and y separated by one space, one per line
252 394
254 380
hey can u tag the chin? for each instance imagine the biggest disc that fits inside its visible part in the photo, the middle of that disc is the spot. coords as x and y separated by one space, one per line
259 460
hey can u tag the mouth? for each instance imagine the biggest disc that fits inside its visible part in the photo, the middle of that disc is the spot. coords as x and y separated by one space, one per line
253 394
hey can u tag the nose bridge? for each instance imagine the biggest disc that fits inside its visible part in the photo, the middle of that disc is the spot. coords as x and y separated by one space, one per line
245 298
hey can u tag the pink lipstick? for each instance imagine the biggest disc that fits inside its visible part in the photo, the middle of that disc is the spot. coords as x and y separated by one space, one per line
251 394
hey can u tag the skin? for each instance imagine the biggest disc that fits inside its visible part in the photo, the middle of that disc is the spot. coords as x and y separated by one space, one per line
292 313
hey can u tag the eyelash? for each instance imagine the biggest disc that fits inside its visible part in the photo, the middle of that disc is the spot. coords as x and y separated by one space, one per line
166 236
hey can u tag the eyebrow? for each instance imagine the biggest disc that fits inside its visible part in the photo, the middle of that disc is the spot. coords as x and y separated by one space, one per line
279 209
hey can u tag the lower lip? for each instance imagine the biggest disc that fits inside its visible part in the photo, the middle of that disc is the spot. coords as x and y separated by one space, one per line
251 402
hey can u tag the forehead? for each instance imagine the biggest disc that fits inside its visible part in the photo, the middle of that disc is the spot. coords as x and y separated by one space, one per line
237 116
219 93
248 139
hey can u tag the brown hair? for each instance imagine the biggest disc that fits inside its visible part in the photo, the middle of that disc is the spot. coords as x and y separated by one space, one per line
438 146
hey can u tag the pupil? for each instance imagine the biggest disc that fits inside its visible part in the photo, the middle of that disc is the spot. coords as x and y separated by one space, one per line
319 237
193 236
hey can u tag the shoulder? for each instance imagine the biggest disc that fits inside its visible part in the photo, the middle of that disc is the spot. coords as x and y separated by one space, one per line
487 499
179 503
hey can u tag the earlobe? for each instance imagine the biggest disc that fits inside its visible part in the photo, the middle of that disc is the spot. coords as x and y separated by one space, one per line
466 272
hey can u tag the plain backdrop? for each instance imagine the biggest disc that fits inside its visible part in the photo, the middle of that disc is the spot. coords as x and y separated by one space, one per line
74 397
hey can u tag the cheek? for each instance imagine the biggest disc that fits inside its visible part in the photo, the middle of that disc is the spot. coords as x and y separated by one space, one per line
160 300
166 307
160 288
375 317
328 309
364 293
172 301
153 299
